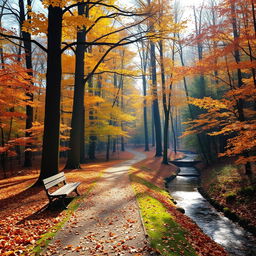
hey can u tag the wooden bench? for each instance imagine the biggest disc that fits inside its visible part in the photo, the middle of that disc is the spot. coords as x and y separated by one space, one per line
62 191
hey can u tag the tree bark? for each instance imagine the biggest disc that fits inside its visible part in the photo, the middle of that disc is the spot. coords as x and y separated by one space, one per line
2 138
174 134
50 153
114 145
122 107
145 119
92 148
166 130
92 137
143 63
28 58
155 107
122 143
166 96
108 148
3 155
73 161
153 128
157 121
82 140
254 16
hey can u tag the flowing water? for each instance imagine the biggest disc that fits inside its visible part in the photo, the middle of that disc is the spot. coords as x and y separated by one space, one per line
230 235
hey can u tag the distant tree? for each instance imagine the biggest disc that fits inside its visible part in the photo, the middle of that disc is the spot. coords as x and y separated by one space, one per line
144 54
28 55
155 104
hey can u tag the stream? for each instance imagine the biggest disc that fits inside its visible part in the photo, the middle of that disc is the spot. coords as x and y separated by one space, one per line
235 240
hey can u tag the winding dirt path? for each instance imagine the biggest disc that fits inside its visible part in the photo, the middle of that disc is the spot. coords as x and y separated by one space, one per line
108 222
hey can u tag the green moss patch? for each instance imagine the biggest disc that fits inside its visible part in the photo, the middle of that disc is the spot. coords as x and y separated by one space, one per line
139 180
166 236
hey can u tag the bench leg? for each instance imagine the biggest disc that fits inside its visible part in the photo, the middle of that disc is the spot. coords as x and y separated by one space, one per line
63 202
50 202
77 192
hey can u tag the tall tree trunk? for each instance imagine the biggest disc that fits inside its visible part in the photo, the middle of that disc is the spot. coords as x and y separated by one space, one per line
198 28
116 101
156 113
143 62
246 19
28 57
145 119
166 132
92 147
153 128
174 134
114 145
2 139
254 16
122 107
122 142
92 137
3 155
108 148
73 161
50 153
82 140
166 95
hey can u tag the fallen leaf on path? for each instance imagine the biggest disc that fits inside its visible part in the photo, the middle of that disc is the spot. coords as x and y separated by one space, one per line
111 234
68 247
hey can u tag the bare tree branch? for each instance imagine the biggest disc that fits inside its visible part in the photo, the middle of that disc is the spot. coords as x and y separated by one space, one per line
22 39
102 4
106 35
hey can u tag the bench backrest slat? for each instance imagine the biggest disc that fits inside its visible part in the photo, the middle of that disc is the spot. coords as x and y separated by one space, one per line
54 180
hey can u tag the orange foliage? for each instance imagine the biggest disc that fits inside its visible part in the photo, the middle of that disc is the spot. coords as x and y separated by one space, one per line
229 64
15 82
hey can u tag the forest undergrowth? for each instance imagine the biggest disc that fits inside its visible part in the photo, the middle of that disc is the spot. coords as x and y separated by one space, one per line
227 185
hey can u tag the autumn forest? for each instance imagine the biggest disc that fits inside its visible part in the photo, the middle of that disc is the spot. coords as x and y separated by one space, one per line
146 109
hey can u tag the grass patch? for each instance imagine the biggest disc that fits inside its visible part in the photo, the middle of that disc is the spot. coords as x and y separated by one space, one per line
149 185
166 236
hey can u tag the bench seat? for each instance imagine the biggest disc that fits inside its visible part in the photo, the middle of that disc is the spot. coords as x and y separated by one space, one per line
65 190
60 192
